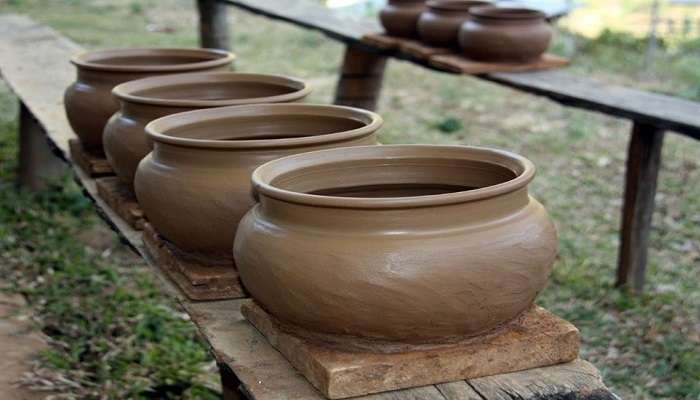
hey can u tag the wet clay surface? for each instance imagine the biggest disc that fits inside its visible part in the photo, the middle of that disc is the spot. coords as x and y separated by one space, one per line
195 185
142 101
400 17
382 243
88 101
439 24
505 35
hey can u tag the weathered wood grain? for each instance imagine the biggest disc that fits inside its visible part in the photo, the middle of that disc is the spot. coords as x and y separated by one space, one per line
38 165
361 77
536 339
122 200
214 32
577 380
643 164
27 51
92 165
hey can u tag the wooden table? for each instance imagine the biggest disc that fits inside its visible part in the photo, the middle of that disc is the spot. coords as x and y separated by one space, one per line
360 84
249 366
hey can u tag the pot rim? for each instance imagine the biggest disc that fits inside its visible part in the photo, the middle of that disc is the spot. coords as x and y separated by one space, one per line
211 58
521 166
506 13
125 90
156 129
457 5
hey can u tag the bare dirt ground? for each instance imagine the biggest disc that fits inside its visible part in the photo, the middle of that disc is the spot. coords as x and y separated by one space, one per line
20 343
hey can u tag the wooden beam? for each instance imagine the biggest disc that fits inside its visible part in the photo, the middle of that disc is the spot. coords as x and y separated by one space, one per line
643 162
213 25
670 113
230 384
361 76
38 165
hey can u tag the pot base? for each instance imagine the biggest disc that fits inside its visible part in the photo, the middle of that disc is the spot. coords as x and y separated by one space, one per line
122 200
535 339
92 164
196 278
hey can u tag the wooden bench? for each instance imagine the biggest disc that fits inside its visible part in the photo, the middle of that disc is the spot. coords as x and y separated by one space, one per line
249 367
361 80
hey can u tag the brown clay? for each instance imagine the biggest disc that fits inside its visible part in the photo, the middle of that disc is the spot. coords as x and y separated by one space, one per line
400 17
439 24
125 141
89 102
505 34
406 243
195 186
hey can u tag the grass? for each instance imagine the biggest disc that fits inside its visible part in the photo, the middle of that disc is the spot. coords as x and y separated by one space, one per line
115 336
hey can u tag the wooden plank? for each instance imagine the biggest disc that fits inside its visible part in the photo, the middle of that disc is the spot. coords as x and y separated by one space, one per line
214 31
92 165
361 76
122 200
666 112
265 373
38 165
27 51
643 163
459 390
575 380
538 338
311 15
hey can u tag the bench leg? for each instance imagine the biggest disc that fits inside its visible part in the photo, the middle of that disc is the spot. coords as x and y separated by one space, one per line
37 163
643 162
213 25
361 78
230 384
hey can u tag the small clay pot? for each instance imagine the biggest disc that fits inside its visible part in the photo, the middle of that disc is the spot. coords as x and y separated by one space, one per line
400 17
194 186
89 102
404 243
125 140
439 24
505 34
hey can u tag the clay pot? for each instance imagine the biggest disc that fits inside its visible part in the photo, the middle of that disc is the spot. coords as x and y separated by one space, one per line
439 24
89 102
407 243
125 140
194 186
400 17
505 34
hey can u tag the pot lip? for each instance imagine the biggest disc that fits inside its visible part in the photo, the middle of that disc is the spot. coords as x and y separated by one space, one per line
456 5
124 91
156 129
506 13
211 58
266 173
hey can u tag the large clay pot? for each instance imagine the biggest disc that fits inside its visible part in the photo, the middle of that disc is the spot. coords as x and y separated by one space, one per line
405 243
439 24
505 34
89 102
400 17
194 186
125 141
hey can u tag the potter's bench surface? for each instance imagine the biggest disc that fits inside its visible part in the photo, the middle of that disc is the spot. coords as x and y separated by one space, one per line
250 366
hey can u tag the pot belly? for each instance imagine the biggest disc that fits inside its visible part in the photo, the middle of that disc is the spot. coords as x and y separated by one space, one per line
196 210
407 286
